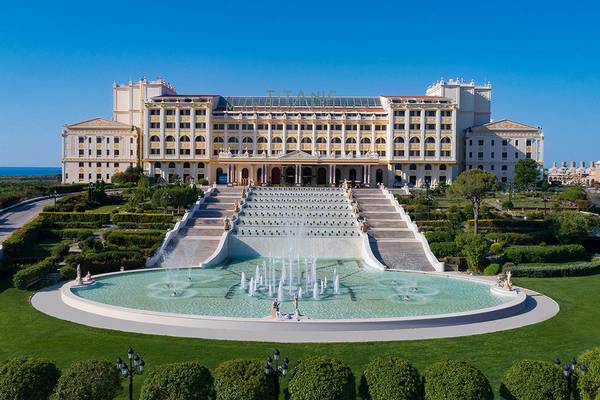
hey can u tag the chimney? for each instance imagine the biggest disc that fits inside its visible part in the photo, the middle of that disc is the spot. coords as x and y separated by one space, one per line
582 164
563 164
572 164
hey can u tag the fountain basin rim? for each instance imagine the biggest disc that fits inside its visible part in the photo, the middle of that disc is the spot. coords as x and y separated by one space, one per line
509 308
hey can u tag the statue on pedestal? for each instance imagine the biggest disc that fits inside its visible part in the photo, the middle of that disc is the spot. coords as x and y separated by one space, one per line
508 281
78 278
226 224
275 309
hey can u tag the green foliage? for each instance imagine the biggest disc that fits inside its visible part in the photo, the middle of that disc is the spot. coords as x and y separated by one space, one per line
588 385
549 270
317 378
474 248
72 233
179 381
203 182
539 254
106 261
473 185
141 239
30 275
496 248
445 249
22 237
492 269
59 217
89 380
142 218
569 226
519 237
391 378
534 380
572 194
244 380
130 175
456 380
527 173
508 204
510 224
27 379
439 236
175 196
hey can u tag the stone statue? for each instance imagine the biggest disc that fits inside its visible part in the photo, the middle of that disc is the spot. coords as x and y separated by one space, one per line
364 226
275 309
350 194
78 278
243 193
88 278
236 207
508 281
296 302
226 224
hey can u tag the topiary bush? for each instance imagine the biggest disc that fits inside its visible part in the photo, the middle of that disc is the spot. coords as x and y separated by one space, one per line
445 249
492 269
317 378
450 379
89 380
32 274
588 384
179 381
391 378
534 380
496 248
539 254
244 380
27 379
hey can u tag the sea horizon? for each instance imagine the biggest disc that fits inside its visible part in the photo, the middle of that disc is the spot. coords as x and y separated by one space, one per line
29 171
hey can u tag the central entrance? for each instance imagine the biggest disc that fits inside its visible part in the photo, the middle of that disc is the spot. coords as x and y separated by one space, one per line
290 175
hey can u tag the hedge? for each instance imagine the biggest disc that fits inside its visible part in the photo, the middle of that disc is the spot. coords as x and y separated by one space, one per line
141 239
179 381
492 269
142 218
439 236
72 233
317 378
52 217
162 226
391 378
456 380
103 262
520 237
75 225
244 380
588 385
433 223
445 249
89 380
549 270
30 275
510 224
23 237
538 254
27 379
534 380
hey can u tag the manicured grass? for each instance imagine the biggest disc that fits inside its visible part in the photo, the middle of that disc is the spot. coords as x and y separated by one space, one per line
105 209
24 331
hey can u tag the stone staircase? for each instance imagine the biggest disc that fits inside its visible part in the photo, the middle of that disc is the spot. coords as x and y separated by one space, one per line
393 243
200 238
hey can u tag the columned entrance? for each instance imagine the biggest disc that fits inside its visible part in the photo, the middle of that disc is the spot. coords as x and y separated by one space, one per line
275 176
290 175
307 176
321 176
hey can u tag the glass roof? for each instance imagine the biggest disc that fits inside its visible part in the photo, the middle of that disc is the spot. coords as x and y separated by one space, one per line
298 101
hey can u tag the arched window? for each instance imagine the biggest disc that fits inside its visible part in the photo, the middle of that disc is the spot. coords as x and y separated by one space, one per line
429 140
233 139
336 140
186 164
350 140
247 139
445 140
291 139
306 139
427 167
184 139
200 165
261 139
399 140
200 139
171 165
218 139
380 140
277 140
154 138
157 165
365 140
415 140
413 167
170 138
321 140
442 167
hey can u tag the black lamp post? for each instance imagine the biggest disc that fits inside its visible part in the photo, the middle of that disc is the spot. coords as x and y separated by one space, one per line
55 195
570 371
272 367
545 198
134 367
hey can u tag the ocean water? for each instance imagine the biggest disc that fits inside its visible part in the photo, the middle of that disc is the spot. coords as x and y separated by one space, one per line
29 171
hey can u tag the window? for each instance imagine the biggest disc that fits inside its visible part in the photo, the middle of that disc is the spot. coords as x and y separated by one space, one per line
492 155
415 126
154 138
200 152
504 155
81 154
170 152
172 165
200 125
446 113
517 142
470 142
170 111
504 179
233 127
218 127
528 142
398 113
516 154
154 125
201 112
492 167
233 139
399 140
98 140
480 142
443 167
365 140
504 142
170 125
81 177
504 168
380 140
528 155
415 113
399 126
365 127
155 111
493 142
116 152
480 155
430 113
470 154
184 125
381 127
184 152
184 138
116 140
154 151
81 139
98 153
185 111
186 165
170 138
430 127
413 167
446 127
398 153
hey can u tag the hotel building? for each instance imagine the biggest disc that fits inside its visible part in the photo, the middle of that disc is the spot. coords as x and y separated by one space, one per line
297 140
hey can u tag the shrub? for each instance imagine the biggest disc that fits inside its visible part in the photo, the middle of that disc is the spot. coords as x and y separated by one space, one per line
508 204
23 237
538 254
439 236
456 380
534 380
569 226
30 275
391 378
572 194
103 262
588 384
492 269
474 248
203 182
444 249
317 378
180 381
72 233
102 218
496 248
549 270
510 224
89 380
139 239
142 218
27 379
244 380
520 237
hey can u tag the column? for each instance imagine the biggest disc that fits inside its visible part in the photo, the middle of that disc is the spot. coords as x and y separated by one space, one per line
177 133
209 137
438 133
162 131
373 138
228 174
422 146
358 142
269 138
284 135
145 135
314 138
299 136
328 139
343 138
254 137
193 133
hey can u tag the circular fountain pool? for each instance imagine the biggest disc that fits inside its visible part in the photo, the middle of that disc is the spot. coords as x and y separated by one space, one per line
247 288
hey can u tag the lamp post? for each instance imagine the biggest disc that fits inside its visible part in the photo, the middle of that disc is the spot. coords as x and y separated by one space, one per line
134 367
545 198
272 367
570 371
55 195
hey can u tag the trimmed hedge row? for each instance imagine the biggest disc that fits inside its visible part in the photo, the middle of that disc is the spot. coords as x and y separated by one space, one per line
141 239
28 276
439 236
511 224
162 226
72 233
536 270
59 217
142 218
520 238
539 254
445 249
28 233
99 263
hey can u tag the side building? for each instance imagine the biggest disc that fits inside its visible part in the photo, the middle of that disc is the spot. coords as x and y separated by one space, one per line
295 140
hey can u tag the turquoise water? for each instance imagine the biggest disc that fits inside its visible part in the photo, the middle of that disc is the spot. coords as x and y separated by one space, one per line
29 171
363 292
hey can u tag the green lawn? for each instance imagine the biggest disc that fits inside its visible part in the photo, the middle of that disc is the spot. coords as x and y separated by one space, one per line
24 331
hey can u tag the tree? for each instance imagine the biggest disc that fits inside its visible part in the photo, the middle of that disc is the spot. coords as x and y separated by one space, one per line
130 175
473 185
27 379
570 226
182 381
527 173
141 192
473 247
89 380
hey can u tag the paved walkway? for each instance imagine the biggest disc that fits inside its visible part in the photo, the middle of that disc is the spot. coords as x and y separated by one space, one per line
17 217
538 308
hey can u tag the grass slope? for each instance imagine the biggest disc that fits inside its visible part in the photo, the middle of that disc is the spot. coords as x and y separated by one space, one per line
24 331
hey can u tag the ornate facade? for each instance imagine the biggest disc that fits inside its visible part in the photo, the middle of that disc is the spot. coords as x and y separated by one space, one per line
293 140
581 175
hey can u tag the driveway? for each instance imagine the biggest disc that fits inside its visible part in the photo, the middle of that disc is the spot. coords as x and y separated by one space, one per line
19 216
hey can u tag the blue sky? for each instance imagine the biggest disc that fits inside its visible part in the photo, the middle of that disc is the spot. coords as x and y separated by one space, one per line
58 59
